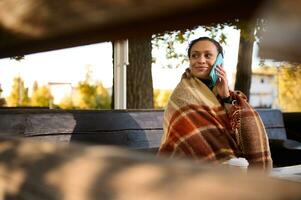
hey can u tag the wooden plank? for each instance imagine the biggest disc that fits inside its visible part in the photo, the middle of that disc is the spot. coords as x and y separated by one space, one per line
272 118
31 122
135 139
12 124
49 123
131 139
33 26
51 171
281 39
273 122
276 133
120 120
131 128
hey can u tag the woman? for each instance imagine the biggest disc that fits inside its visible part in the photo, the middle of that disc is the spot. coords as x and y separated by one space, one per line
207 121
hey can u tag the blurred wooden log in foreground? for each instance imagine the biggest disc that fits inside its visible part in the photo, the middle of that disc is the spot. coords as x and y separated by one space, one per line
35 170
41 25
282 39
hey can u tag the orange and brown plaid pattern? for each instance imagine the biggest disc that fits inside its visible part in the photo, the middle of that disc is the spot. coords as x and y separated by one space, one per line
198 126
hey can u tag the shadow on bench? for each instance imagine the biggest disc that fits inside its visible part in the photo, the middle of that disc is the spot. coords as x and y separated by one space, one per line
135 129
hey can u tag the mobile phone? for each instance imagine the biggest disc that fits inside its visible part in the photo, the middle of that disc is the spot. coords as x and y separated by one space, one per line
213 76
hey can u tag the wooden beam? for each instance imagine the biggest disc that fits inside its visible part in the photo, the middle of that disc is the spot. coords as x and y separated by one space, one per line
33 26
36 170
282 39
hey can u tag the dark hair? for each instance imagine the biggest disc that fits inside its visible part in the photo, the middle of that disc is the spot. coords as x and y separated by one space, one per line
218 46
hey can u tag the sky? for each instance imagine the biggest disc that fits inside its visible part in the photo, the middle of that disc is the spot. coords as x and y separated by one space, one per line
68 66
64 66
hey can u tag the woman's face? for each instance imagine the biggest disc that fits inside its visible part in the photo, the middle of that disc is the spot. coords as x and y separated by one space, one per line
202 57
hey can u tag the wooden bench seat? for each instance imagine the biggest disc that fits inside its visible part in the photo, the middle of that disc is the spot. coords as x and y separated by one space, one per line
134 129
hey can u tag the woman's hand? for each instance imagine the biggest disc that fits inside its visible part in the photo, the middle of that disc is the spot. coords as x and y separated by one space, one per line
222 82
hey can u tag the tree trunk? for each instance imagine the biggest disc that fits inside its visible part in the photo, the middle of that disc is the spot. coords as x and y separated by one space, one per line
139 75
244 64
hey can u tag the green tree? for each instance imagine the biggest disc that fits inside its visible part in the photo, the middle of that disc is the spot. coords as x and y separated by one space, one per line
67 103
103 99
35 86
41 96
19 94
289 81
161 98
2 100
174 42
88 95
85 96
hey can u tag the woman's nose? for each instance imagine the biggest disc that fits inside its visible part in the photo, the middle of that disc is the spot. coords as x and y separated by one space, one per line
202 59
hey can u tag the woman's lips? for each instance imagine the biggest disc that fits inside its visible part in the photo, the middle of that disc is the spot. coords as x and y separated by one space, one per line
201 68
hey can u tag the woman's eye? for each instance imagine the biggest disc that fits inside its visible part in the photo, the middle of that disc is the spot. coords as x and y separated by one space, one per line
208 55
194 56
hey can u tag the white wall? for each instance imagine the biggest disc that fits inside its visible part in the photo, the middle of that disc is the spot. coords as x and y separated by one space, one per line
263 91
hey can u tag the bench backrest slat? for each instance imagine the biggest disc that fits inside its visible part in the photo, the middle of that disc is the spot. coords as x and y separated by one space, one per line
138 129
273 122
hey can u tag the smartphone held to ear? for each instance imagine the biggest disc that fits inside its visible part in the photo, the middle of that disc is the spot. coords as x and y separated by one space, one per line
213 76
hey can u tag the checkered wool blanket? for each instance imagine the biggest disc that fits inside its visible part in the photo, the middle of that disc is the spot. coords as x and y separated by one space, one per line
197 125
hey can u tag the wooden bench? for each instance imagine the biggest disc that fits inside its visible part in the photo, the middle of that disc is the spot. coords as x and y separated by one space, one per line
284 151
134 129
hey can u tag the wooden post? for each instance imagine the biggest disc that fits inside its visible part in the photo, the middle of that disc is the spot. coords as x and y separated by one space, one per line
120 62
